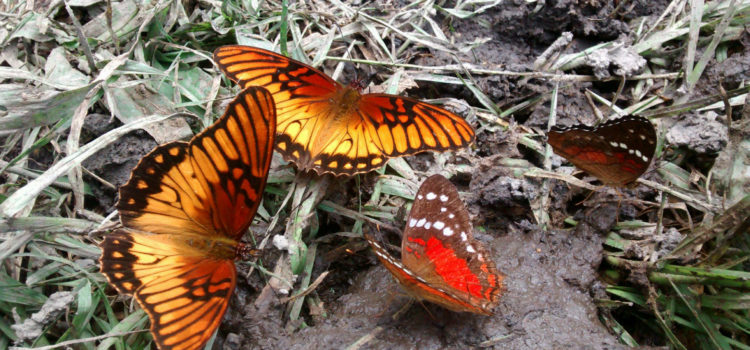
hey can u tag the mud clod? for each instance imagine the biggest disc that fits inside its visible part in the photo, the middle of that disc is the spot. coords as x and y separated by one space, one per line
701 133
620 61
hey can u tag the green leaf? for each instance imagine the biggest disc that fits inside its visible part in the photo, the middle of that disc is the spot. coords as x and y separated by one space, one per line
49 108
14 292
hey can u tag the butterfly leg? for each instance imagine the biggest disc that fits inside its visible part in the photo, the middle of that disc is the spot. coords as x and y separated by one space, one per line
590 194
434 319
391 296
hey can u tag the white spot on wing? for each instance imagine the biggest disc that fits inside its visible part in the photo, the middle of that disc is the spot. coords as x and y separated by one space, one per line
463 236
614 144
623 146
443 210
421 222
431 196
419 196
447 232
451 216
638 153
470 249
443 198
439 225
412 222
427 225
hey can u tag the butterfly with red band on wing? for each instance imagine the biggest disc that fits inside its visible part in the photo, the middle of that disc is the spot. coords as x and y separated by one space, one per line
617 152
440 260
184 210
331 128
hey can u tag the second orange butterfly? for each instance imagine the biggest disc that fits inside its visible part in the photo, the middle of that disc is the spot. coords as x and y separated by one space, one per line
331 128
184 210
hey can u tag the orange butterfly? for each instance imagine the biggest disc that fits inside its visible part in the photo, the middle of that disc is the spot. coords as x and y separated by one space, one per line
185 208
332 128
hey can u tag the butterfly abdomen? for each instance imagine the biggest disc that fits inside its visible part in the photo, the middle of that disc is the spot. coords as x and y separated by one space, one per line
219 249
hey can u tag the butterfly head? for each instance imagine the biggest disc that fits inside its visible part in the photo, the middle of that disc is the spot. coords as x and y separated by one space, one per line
358 84
245 252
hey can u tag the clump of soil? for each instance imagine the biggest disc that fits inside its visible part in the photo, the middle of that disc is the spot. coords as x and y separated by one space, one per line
113 163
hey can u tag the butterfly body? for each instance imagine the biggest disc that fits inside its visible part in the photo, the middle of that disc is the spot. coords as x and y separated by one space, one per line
331 128
331 125
184 210
440 261
616 152
345 100
214 247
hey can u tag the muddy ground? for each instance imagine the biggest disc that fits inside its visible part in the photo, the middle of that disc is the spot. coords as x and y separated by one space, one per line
552 279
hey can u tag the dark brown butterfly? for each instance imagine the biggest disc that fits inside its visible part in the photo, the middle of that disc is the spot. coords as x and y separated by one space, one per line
616 152
184 209
440 260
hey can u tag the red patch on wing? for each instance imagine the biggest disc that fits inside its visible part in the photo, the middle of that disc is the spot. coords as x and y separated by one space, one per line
455 271
440 261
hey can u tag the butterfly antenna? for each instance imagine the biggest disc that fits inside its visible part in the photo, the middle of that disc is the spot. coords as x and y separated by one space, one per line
617 96
387 227
338 29
378 224
590 194
370 79
620 198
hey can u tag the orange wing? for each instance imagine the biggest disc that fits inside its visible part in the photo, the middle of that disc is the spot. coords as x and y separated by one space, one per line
330 128
184 290
185 208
